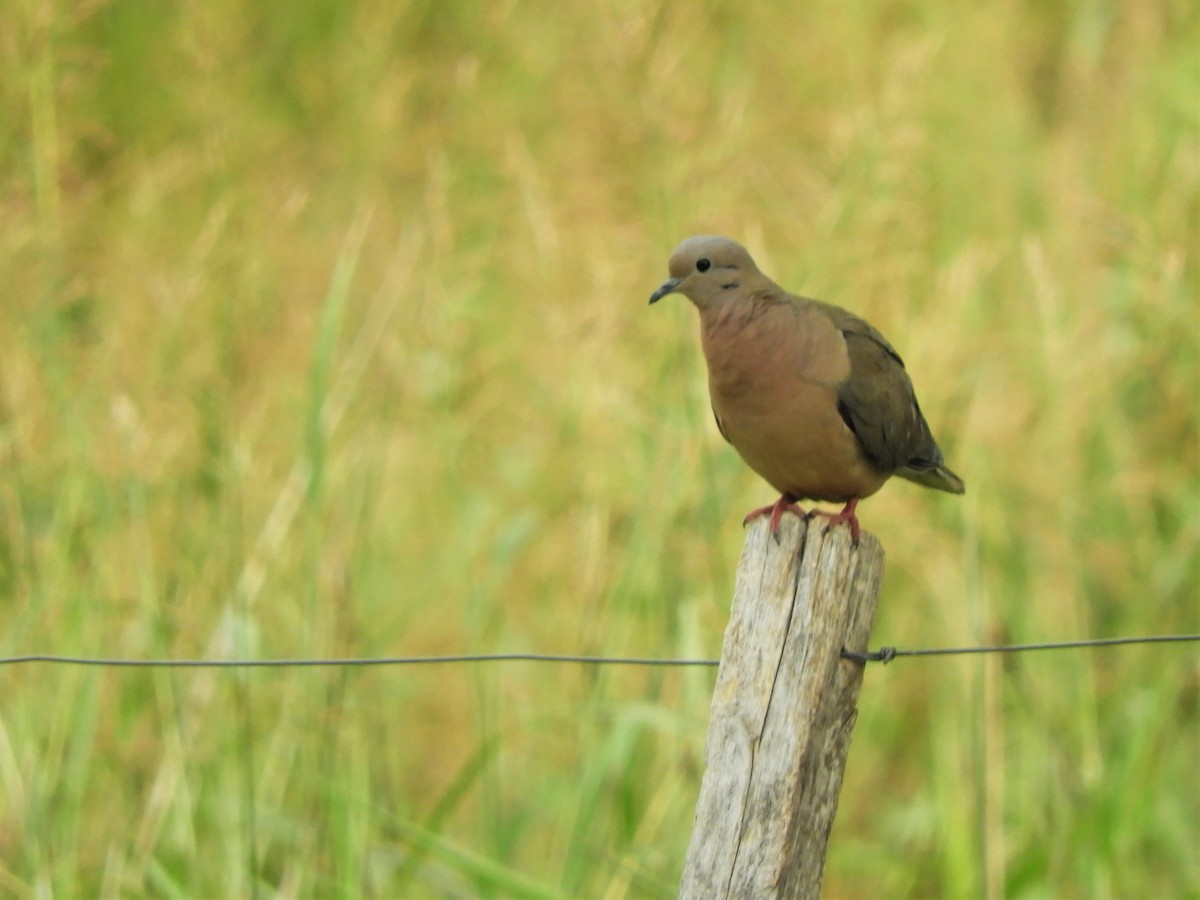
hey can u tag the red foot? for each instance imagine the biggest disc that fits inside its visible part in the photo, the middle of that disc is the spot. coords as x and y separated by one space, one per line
786 503
846 515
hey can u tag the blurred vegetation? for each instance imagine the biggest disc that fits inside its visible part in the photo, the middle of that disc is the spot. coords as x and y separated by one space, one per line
324 333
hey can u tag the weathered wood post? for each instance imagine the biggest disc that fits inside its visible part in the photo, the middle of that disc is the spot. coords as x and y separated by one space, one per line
782 713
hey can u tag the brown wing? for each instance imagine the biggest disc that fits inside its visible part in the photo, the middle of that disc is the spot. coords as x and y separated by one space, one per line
878 404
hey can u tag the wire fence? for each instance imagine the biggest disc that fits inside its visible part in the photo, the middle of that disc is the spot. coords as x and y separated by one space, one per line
883 655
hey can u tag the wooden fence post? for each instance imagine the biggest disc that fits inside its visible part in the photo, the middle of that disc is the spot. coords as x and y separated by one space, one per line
782 713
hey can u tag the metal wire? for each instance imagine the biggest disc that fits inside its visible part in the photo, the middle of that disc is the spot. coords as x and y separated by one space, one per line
887 654
884 655
351 661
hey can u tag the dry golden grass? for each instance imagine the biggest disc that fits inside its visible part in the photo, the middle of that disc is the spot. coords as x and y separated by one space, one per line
324 333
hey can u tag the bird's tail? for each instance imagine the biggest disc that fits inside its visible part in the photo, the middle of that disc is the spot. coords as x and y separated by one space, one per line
938 477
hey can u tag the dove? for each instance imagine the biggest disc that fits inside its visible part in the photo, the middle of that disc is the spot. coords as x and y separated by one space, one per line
814 399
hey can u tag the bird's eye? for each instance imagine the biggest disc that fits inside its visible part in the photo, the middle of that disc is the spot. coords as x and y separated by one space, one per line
703 265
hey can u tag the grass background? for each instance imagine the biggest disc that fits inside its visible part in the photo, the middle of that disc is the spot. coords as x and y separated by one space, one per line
323 332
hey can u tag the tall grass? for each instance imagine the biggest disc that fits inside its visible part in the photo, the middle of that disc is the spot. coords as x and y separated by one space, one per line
323 332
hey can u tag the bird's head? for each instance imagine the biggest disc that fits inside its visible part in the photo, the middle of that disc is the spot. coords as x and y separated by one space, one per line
708 269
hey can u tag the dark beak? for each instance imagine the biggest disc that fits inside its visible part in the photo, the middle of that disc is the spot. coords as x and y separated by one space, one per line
668 287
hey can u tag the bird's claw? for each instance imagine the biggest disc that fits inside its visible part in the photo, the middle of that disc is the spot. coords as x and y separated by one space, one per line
846 515
786 503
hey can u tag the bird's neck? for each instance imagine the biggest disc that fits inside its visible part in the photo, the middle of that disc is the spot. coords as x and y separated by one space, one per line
764 336
735 335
